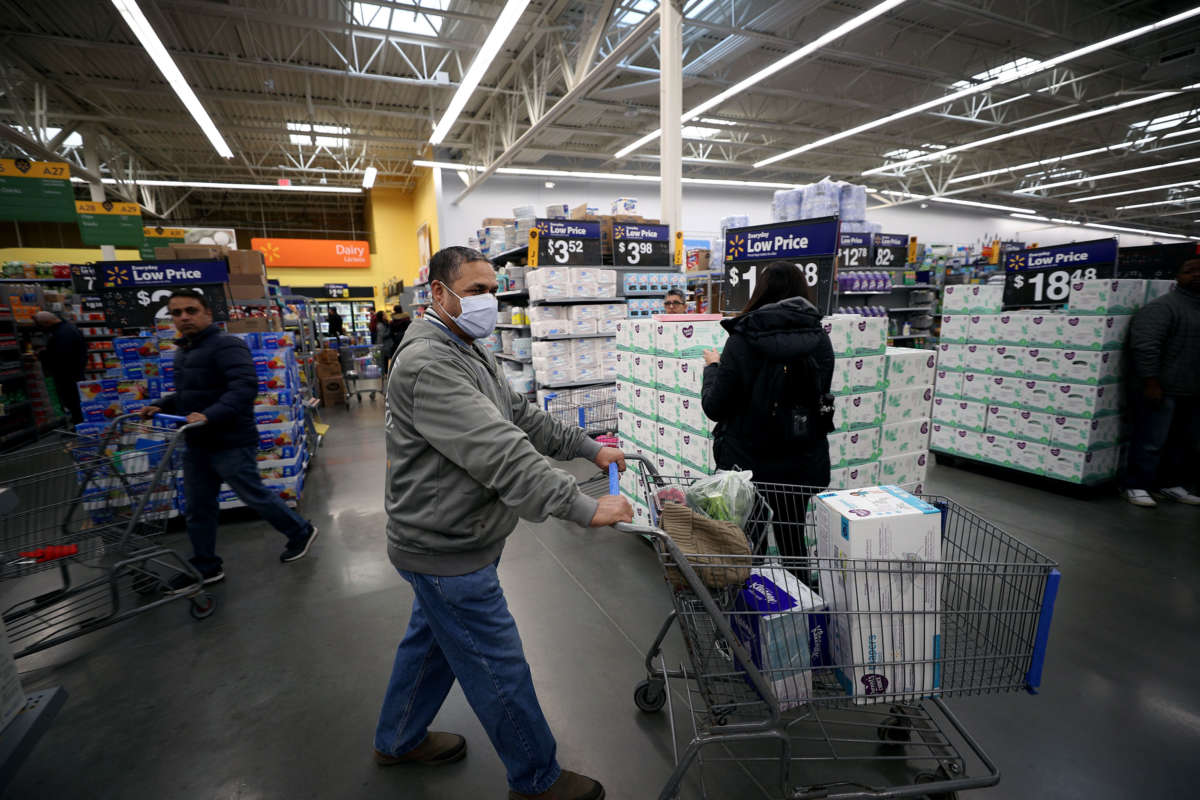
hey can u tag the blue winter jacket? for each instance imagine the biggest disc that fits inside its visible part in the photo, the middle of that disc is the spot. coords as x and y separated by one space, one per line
214 374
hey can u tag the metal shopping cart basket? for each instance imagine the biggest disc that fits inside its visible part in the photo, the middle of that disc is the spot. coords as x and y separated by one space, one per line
363 367
790 711
592 408
88 507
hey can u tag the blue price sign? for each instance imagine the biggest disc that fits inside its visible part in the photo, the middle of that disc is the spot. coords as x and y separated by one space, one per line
854 250
637 245
891 250
811 245
1043 276
115 274
564 243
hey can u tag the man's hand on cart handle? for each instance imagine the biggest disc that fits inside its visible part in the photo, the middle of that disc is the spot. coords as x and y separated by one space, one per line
196 416
150 411
610 455
611 509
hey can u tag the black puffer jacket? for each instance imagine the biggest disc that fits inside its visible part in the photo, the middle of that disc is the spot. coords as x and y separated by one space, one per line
214 374
787 332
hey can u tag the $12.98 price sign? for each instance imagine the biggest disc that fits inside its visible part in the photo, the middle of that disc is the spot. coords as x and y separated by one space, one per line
1043 277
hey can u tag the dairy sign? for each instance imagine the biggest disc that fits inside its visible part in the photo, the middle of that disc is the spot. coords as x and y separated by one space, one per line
810 245
564 243
1042 277
115 274
641 245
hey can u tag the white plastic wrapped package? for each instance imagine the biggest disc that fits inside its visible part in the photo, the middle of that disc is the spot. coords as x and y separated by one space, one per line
822 199
787 204
853 202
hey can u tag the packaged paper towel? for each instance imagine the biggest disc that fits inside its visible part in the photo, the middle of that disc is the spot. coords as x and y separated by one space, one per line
852 202
821 199
880 618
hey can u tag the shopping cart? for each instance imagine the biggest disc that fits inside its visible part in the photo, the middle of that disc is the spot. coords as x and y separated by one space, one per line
363 367
89 506
783 718
592 408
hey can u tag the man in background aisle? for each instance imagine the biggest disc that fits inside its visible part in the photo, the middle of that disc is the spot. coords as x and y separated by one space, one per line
1164 447
216 384
63 360
467 459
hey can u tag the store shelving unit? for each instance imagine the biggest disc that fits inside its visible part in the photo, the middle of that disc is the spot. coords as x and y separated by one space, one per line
511 327
518 253
511 357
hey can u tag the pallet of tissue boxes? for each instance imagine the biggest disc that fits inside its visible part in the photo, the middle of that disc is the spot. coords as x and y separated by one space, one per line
877 549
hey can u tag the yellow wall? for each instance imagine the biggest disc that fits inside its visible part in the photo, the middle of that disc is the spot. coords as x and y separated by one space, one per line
425 204
61 255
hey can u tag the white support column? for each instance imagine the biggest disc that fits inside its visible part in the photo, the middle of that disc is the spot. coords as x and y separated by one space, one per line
670 102
92 161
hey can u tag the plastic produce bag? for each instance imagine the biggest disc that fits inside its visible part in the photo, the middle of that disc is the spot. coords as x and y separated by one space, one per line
726 496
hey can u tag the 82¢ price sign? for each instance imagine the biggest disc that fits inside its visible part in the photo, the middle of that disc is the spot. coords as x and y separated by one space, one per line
1042 277
891 250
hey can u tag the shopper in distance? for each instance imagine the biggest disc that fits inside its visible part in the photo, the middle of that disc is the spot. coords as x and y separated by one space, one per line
768 392
675 302
64 359
215 384
466 459
1164 443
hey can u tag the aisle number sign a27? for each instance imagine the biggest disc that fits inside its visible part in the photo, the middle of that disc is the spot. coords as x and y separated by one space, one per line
1043 276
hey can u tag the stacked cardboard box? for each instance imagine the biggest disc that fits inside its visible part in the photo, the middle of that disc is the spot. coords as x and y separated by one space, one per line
330 383
1037 391
660 378
247 270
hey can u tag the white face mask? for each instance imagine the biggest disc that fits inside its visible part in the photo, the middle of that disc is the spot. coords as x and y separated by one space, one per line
478 317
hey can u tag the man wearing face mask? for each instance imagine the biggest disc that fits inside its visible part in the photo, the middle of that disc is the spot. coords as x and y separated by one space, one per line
466 460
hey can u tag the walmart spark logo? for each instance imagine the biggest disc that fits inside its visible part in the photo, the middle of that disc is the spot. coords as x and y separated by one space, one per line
618 231
119 276
1016 261
270 252
736 246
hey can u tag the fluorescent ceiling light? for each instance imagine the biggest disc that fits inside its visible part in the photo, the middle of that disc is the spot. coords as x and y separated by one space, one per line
1008 72
771 69
1054 123
373 15
954 201
1133 191
1163 122
140 26
1008 77
1106 175
240 187
1102 226
1176 201
369 177
604 176
483 59
1081 154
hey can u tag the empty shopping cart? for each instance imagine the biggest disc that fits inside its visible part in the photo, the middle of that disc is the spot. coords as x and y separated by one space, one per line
88 507
793 714
592 408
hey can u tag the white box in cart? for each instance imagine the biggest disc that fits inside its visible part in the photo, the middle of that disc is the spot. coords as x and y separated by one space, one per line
948 384
904 437
904 468
956 328
1085 434
907 404
974 386
950 356
692 416
1034 426
1107 296
1082 400
870 335
858 411
1079 466
881 523
840 329
908 367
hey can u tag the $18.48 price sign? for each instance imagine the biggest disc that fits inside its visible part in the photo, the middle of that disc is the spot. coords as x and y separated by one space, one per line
637 245
1043 277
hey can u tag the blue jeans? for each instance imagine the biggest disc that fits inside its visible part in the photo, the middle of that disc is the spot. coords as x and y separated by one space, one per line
461 628
1163 443
203 473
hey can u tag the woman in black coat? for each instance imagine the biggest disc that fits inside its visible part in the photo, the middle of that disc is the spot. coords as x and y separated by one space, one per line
768 392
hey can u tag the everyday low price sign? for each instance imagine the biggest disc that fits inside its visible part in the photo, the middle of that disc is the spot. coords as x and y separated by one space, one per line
637 245
891 250
36 191
854 250
159 273
564 243
118 224
140 307
811 245
1042 277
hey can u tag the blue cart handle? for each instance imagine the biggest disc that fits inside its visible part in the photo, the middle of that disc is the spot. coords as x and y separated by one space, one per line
171 418
614 480
1033 678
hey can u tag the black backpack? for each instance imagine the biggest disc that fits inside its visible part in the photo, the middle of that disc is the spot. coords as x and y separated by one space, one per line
788 404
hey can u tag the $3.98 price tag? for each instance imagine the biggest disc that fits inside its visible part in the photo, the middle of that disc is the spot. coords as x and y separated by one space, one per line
633 253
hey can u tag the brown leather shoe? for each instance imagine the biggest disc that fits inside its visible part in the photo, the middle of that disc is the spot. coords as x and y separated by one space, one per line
437 749
569 786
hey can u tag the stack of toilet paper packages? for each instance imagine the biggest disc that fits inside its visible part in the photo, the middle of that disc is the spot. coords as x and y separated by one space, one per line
822 199
558 283
884 625
660 379
1038 391
881 406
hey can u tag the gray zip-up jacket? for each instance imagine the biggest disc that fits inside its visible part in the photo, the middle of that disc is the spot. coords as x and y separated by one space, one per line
465 457
1165 342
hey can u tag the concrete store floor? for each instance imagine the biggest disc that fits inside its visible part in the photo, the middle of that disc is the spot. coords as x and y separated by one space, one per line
276 695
